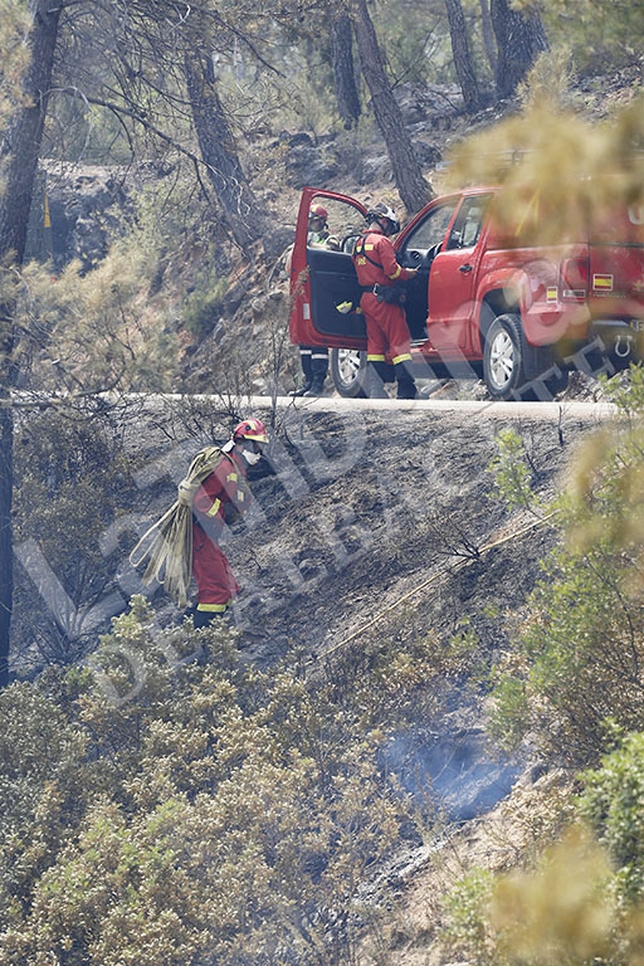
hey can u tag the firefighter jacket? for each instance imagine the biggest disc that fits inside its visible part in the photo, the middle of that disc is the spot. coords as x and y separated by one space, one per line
223 495
375 262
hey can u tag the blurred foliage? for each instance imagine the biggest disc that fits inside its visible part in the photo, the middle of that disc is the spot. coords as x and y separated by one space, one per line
195 806
578 659
560 174
581 901
570 687
560 911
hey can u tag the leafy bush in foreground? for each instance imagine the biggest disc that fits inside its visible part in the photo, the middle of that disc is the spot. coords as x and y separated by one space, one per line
582 900
188 808
579 658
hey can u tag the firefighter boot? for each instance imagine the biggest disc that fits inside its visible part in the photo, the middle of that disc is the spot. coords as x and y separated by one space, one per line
319 369
405 381
316 388
302 391
376 377
307 372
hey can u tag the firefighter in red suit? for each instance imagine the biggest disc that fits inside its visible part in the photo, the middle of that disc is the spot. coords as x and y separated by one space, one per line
222 497
378 273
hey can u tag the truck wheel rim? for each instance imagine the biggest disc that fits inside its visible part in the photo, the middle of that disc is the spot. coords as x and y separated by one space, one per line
348 365
502 359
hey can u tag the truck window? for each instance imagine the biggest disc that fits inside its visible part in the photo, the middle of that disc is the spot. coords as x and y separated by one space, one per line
431 231
344 224
469 221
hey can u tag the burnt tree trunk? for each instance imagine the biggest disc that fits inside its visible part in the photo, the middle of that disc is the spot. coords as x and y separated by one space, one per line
344 77
19 150
6 493
461 54
488 35
412 187
520 38
219 151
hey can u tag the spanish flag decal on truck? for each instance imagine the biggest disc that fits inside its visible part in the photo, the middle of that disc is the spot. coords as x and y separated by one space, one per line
602 284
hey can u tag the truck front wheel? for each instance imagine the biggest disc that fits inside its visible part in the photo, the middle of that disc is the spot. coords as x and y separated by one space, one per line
349 372
514 369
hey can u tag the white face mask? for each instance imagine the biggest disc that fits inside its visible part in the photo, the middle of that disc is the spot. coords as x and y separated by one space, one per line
251 458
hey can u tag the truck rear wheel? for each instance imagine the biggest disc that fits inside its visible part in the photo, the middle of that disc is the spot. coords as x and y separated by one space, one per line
514 369
349 372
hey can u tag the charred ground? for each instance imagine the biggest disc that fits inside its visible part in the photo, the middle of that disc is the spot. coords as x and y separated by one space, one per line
386 525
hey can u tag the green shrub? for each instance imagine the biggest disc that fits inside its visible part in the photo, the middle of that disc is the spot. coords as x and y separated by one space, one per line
578 659
466 932
220 812
613 803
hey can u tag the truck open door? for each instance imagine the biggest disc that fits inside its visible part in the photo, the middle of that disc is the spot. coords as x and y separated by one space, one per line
323 278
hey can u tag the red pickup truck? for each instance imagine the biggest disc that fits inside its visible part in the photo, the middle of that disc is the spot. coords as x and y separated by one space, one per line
486 303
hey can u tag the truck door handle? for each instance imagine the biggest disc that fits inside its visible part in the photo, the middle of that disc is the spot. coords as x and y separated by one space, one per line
465 269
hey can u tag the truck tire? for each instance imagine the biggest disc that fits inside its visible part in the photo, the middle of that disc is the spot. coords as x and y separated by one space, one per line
349 372
514 369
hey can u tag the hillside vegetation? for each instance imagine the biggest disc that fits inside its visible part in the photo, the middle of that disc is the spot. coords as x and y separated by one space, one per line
418 737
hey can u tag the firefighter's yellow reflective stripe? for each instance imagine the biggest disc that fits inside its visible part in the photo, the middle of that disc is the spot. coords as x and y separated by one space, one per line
396 273
368 247
240 497
403 357
213 608
231 478
214 508
373 358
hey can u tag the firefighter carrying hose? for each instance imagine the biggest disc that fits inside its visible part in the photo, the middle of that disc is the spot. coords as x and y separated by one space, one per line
379 275
185 541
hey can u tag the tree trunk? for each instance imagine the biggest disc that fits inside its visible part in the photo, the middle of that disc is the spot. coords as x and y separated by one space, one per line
520 38
218 150
6 541
488 35
412 187
346 90
19 152
461 53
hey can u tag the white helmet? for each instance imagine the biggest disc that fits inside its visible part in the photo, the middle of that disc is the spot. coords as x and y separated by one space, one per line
381 210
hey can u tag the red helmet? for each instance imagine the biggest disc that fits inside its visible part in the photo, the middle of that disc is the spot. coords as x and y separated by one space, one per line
318 211
252 429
